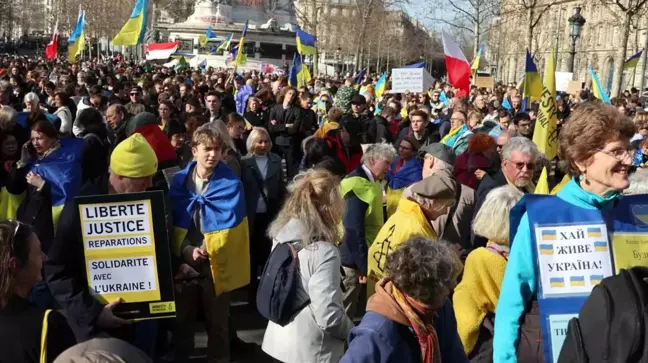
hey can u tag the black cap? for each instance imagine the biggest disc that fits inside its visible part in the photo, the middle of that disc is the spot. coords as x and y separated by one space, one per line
358 100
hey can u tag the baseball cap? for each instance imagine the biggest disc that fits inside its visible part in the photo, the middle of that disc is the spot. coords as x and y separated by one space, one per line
358 100
439 151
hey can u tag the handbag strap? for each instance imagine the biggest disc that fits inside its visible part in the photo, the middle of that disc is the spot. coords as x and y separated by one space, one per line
260 186
43 350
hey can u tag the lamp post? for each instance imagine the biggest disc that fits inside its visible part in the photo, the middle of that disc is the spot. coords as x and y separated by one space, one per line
576 23
337 60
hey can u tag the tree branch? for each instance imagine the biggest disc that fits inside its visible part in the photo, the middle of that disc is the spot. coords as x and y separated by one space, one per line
537 20
456 26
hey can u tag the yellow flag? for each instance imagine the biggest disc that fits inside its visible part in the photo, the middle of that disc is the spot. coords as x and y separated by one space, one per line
545 134
543 183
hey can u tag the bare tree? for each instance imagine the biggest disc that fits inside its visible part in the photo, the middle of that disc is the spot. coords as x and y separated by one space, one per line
625 12
534 10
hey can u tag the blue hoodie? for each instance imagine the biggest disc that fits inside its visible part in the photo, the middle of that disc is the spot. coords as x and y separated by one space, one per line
520 284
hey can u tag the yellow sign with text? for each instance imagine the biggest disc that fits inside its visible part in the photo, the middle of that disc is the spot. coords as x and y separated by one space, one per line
630 249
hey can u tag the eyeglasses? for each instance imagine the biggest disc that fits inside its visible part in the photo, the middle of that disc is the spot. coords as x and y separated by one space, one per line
134 94
521 165
621 154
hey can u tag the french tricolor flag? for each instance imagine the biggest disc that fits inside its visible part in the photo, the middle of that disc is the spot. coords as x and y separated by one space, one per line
457 66
160 50
51 50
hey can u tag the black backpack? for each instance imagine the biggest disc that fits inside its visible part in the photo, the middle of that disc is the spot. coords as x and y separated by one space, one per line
280 295
612 325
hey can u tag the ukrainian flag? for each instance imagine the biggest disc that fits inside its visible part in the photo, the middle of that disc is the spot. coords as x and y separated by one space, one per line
632 61
133 31
546 249
299 74
381 85
203 39
77 38
600 246
9 204
557 282
305 42
549 235
597 87
593 232
224 224
475 64
596 279
577 281
225 44
240 53
532 80
61 170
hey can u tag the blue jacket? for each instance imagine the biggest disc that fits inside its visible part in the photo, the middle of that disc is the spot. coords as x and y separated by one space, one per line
380 340
353 248
520 284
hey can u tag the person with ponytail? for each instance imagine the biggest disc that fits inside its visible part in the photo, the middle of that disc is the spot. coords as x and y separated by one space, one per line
28 334
311 216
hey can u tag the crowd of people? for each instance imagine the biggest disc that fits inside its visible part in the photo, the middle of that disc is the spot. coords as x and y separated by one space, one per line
402 205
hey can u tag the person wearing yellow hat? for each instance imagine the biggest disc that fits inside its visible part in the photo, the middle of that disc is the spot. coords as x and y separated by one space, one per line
132 166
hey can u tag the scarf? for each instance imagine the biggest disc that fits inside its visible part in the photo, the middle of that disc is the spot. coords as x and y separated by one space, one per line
451 138
390 302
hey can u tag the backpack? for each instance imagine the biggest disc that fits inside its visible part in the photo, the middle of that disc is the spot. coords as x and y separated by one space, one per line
611 326
280 295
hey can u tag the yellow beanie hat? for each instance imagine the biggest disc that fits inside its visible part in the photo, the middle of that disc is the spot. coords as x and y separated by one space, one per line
134 158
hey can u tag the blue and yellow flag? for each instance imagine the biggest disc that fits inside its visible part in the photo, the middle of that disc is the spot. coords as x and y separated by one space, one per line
203 39
360 76
224 224
381 85
225 44
77 38
545 134
475 63
61 170
532 80
632 61
299 75
132 33
239 55
597 88
305 42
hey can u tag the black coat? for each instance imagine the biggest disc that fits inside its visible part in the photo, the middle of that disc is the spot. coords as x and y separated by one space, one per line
21 325
288 116
257 119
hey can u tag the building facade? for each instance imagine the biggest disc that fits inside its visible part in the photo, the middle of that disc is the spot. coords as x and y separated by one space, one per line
598 45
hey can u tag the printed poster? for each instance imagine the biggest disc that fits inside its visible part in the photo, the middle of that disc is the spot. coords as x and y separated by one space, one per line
126 253
572 259
558 332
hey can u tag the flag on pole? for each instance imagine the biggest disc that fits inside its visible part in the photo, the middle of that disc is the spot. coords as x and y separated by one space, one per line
543 183
225 44
457 65
305 42
239 55
545 134
51 50
632 61
597 87
77 38
182 63
381 85
204 38
132 33
532 81
360 76
299 74
475 63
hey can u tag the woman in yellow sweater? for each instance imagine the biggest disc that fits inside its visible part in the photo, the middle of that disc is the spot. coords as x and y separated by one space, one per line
476 296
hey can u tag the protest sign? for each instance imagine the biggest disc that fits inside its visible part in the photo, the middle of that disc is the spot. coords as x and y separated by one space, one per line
572 259
562 80
574 87
558 328
410 80
484 82
126 251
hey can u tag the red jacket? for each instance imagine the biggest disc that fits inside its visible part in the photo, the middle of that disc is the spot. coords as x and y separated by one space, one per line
466 165
351 160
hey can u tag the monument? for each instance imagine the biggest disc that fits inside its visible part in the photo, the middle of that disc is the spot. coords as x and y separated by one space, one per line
270 36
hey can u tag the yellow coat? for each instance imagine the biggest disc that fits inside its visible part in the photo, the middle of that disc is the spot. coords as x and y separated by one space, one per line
477 293
408 221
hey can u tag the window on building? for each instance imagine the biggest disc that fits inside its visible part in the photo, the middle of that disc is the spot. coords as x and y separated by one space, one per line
271 50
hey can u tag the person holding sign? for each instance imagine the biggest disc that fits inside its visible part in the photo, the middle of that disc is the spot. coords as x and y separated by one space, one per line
211 234
132 166
570 244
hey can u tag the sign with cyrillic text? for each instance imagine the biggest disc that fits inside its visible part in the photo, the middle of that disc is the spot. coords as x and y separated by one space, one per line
126 250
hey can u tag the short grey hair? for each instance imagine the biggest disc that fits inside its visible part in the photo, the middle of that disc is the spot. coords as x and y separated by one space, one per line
492 219
379 151
31 97
254 136
5 86
424 269
520 144
221 132
638 183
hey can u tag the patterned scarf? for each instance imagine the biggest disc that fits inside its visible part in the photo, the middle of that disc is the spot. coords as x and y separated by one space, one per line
451 138
413 310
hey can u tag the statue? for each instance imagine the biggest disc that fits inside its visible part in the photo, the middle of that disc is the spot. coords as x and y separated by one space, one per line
278 6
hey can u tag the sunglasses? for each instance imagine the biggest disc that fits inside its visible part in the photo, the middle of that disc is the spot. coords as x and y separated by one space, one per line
521 165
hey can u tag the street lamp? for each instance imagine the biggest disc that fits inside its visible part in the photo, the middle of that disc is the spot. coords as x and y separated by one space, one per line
576 23
337 59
